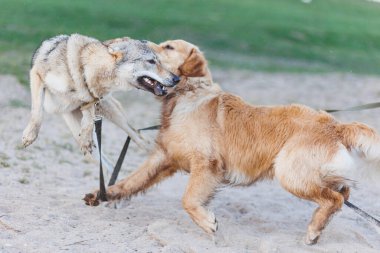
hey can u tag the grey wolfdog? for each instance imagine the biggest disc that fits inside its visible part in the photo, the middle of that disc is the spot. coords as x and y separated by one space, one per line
70 73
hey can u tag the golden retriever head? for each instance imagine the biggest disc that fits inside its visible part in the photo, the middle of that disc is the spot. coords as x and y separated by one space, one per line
182 58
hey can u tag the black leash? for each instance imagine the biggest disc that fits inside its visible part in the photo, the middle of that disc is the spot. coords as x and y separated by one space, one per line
120 161
102 195
365 215
155 127
116 170
356 108
98 130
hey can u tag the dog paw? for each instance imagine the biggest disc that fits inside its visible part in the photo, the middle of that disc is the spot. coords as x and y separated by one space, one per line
29 136
113 196
209 224
91 199
312 238
87 146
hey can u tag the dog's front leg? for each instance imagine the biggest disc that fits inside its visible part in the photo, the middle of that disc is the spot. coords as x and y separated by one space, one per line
73 120
86 141
152 171
202 184
113 111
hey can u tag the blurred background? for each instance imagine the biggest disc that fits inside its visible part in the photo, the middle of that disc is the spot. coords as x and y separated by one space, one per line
271 35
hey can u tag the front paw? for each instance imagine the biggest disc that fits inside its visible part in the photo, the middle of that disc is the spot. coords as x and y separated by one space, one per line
91 199
114 193
86 146
209 224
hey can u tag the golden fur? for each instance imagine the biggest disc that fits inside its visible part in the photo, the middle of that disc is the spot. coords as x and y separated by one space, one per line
220 139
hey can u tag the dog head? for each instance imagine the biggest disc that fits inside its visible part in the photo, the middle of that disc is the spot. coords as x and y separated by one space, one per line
182 58
138 65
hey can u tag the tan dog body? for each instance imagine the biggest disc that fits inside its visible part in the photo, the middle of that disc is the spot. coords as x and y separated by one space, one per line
220 139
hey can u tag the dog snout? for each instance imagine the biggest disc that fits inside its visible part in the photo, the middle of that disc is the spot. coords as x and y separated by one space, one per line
175 79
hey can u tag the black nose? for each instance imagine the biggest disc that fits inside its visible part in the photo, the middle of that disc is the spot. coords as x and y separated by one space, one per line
176 79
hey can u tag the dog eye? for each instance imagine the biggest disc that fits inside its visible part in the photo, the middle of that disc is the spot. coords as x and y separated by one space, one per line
152 61
169 47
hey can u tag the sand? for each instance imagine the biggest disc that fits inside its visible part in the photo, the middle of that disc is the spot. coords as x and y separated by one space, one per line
42 186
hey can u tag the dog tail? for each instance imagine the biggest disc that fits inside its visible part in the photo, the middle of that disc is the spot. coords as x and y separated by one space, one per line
363 145
363 139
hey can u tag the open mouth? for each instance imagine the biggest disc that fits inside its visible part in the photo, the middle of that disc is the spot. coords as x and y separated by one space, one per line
152 85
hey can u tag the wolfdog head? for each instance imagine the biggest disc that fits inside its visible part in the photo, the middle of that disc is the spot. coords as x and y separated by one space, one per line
138 65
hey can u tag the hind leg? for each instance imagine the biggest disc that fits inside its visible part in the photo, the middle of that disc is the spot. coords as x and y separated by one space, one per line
329 202
301 168
37 91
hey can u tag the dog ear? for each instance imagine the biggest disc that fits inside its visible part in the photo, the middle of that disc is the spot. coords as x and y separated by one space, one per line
116 53
112 41
195 65
113 49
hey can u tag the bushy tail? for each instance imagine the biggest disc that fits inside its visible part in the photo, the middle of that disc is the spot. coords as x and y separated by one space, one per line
362 139
363 143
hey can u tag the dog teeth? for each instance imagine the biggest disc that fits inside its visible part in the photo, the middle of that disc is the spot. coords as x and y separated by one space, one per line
147 80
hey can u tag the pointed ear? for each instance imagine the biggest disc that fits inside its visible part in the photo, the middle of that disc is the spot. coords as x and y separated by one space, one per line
113 49
116 53
195 65
112 41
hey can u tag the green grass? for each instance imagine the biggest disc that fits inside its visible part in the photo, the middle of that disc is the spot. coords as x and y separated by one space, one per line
270 35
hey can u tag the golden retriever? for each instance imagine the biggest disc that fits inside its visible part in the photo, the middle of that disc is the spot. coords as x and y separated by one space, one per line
220 139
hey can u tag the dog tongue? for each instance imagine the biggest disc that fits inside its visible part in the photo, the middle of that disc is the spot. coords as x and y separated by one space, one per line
158 90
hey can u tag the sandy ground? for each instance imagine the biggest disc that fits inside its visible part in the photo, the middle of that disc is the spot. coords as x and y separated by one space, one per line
42 186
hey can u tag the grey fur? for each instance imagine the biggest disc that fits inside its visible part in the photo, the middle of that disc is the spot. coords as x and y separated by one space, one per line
71 71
